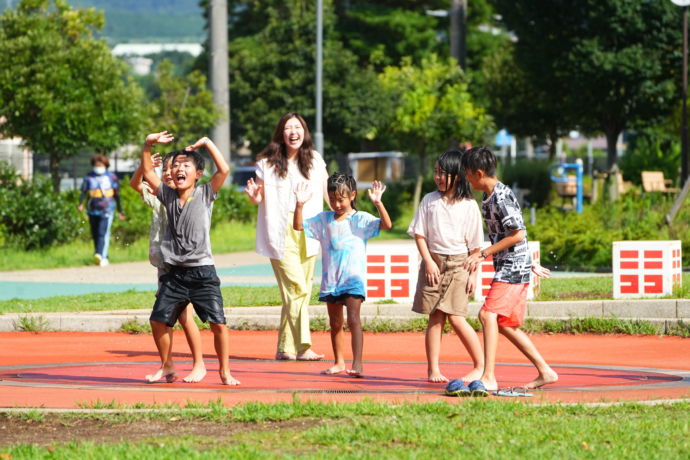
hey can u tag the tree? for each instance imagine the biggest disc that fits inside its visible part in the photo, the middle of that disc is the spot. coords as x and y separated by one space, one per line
184 105
433 105
609 63
273 71
61 90
519 105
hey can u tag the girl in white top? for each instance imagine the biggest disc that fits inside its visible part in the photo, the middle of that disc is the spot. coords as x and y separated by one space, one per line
287 161
446 227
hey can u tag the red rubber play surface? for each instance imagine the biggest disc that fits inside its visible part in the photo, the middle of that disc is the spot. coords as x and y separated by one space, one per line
63 370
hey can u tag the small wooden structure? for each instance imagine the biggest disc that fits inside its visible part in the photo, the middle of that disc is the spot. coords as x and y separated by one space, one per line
654 181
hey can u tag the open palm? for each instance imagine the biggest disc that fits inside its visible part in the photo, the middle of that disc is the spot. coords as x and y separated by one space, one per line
376 191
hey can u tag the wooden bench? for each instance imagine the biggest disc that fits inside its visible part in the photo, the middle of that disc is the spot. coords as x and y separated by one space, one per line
654 181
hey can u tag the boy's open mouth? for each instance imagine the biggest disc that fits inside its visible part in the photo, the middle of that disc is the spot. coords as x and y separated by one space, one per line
180 178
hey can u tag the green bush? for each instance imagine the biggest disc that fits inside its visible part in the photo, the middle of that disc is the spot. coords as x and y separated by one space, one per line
232 204
532 175
651 149
31 215
584 240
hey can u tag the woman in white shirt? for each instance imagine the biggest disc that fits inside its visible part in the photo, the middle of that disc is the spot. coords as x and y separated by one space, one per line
287 161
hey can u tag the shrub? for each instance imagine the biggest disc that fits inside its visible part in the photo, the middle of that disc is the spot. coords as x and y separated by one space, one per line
32 216
584 240
528 174
232 204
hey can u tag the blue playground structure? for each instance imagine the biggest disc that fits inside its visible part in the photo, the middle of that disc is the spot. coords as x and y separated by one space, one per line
560 175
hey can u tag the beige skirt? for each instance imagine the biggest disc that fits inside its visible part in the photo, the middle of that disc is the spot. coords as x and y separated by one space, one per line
449 295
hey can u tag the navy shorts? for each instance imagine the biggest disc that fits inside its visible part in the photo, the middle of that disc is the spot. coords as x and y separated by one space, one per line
339 299
199 286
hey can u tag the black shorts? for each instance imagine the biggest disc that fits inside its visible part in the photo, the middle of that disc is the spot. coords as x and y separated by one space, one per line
339 299
199 286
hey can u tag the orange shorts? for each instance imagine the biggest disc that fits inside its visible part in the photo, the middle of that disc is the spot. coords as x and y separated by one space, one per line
508 301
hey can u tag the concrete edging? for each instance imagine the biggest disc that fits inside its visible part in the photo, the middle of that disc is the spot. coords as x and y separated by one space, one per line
654 310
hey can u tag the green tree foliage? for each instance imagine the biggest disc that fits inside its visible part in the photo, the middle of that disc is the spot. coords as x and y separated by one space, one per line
432 106
609 63
61 90
184 105
273 71
31 216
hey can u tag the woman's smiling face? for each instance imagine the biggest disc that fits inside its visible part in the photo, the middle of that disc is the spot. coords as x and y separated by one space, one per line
293 134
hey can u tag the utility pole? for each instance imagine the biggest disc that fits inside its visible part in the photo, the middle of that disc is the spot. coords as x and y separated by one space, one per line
318 135
458 27
218 61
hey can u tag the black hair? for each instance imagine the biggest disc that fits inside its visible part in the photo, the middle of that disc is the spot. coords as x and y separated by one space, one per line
196 157
480 158
276 151
168 156
343 184
451 163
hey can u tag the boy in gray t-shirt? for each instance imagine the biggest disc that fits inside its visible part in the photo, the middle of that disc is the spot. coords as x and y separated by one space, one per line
186 248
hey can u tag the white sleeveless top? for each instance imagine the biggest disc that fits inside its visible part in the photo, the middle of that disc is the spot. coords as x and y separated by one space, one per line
279 200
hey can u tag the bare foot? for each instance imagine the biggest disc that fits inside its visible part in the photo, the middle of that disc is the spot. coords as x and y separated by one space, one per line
167 372
337 369
309 355
283 356
354 373
544 379
437 377
227 379
197 374
490 385
474 374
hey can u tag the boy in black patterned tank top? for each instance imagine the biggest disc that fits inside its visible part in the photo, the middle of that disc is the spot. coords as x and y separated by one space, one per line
504 306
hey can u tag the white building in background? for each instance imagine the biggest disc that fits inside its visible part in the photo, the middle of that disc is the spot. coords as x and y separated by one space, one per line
144 49
12 151
135 53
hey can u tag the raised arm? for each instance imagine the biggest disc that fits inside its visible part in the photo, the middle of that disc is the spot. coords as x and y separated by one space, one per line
302 195
222 167
375 194
147 165
136 181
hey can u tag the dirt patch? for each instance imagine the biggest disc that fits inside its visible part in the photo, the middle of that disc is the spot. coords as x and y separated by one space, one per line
56 429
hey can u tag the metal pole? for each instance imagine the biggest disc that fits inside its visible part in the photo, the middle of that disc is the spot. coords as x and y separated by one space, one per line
218 29
318 136
458 23
684 122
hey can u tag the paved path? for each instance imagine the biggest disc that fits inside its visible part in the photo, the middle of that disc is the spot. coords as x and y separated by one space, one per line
66 370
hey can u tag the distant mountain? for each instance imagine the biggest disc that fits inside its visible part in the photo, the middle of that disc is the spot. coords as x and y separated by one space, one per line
157 21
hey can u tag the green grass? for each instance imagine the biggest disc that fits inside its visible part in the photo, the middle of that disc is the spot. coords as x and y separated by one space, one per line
241 296
226 237
473 429
592 288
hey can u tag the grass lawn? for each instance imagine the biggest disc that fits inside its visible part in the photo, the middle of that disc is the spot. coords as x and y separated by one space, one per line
469 428
226 237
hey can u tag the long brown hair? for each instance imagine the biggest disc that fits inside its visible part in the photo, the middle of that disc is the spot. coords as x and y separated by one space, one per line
276 152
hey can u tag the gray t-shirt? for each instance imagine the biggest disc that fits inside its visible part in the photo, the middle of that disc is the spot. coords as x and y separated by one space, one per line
187 242
502 216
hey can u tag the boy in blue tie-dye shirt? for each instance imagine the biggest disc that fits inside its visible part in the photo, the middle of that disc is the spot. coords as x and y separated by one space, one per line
343 233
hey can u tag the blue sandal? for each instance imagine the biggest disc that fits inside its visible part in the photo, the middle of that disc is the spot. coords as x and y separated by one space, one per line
457 387
477 389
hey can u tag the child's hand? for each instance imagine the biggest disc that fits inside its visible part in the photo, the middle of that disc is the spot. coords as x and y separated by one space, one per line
540 271
375 192
163 137
302 192
433 274
156 159
253 190
473 261
197 144
469 289
146 187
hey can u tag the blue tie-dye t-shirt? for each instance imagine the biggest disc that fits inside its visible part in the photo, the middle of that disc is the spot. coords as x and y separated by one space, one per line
343 246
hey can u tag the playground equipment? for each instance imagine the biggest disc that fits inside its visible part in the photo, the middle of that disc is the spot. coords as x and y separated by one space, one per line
559 174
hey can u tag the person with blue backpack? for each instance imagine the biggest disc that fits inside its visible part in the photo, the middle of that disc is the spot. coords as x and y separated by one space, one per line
102 189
